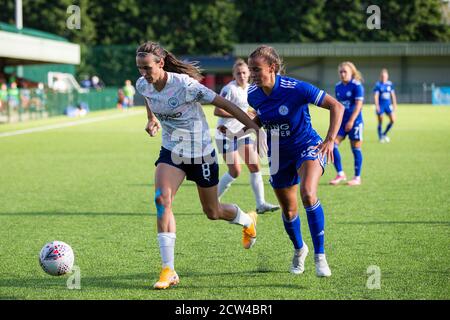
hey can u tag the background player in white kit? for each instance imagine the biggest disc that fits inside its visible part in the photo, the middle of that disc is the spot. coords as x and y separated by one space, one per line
231 146
173 95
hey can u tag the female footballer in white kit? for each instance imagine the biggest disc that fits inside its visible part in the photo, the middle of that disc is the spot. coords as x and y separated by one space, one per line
172 96
231 146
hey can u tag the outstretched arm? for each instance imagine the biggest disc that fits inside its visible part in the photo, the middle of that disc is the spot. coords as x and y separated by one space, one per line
235 112
336 113
243 117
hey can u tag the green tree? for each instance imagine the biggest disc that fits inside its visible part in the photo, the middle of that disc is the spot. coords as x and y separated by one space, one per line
281 21
345 20
406 20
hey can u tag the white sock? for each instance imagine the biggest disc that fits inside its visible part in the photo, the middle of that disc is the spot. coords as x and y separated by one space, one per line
258 187
167 248
224 183
241 218
341 173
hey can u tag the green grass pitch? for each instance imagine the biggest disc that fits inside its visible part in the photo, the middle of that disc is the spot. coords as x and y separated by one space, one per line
91 185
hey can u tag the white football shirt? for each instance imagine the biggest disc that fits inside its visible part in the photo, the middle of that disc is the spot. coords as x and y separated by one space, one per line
238 95
178 108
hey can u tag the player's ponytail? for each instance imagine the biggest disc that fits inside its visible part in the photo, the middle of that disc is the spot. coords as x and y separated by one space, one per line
271 56
171 63
356 74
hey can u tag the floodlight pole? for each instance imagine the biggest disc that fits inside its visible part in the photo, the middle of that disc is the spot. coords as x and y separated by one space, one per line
19 25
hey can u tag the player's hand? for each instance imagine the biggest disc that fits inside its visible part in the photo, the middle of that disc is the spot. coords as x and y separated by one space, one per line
326 150
152 127
378 109
349 126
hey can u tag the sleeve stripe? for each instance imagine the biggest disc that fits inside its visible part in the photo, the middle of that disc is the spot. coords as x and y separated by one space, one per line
319 96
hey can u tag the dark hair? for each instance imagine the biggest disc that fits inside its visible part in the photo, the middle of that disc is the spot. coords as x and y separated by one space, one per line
270 55
171 63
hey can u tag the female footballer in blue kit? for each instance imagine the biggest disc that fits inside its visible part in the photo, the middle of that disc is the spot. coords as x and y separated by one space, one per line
350 92
231 147
385 102
172 96
296 151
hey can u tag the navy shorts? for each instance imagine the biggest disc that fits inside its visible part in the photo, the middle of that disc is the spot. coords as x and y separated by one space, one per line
203 171
284 170
356 133
227 145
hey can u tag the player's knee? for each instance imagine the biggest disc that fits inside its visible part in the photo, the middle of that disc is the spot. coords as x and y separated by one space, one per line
253 168
211 212
235 172
162 202
290 214
309 197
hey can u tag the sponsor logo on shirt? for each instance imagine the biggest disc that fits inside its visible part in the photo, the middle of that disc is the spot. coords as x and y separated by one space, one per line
281 130
165 117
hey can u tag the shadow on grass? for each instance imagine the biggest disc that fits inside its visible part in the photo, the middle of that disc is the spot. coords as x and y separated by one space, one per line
142 281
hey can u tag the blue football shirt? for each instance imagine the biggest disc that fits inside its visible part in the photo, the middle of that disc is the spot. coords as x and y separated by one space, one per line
284 113
384 90
348 94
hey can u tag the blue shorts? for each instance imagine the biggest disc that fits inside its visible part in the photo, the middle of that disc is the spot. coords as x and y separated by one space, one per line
285 173
227 145
384 109
356 133
203 171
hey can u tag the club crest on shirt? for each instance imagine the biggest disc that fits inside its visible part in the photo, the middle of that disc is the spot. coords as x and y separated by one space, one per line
173 102
349 93
283 110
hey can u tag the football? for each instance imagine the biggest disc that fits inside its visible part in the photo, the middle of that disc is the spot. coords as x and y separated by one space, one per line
56 258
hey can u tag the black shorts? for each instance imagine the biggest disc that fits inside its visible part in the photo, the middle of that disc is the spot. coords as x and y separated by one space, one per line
203 171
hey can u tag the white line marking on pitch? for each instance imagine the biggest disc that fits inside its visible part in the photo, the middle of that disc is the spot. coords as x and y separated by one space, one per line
67 124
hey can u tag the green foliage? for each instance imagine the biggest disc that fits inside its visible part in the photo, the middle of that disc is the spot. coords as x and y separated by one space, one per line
418 20
281 21
201 27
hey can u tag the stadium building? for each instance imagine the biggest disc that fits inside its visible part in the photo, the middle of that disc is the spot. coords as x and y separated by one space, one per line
414 68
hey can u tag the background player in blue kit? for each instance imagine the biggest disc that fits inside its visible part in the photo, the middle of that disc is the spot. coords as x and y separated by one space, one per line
385 102
296 151
350 92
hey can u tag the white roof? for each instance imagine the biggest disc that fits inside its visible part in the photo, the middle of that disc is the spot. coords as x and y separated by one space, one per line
14 46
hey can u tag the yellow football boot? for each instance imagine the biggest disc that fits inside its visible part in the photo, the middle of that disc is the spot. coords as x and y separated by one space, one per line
167 278
249 233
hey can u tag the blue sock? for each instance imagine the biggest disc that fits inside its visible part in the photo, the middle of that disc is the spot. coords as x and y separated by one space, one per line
358 160
380 131
389 126
316 222
337 158
293 230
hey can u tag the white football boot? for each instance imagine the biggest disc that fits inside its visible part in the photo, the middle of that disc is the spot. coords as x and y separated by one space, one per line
298 261
322 269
